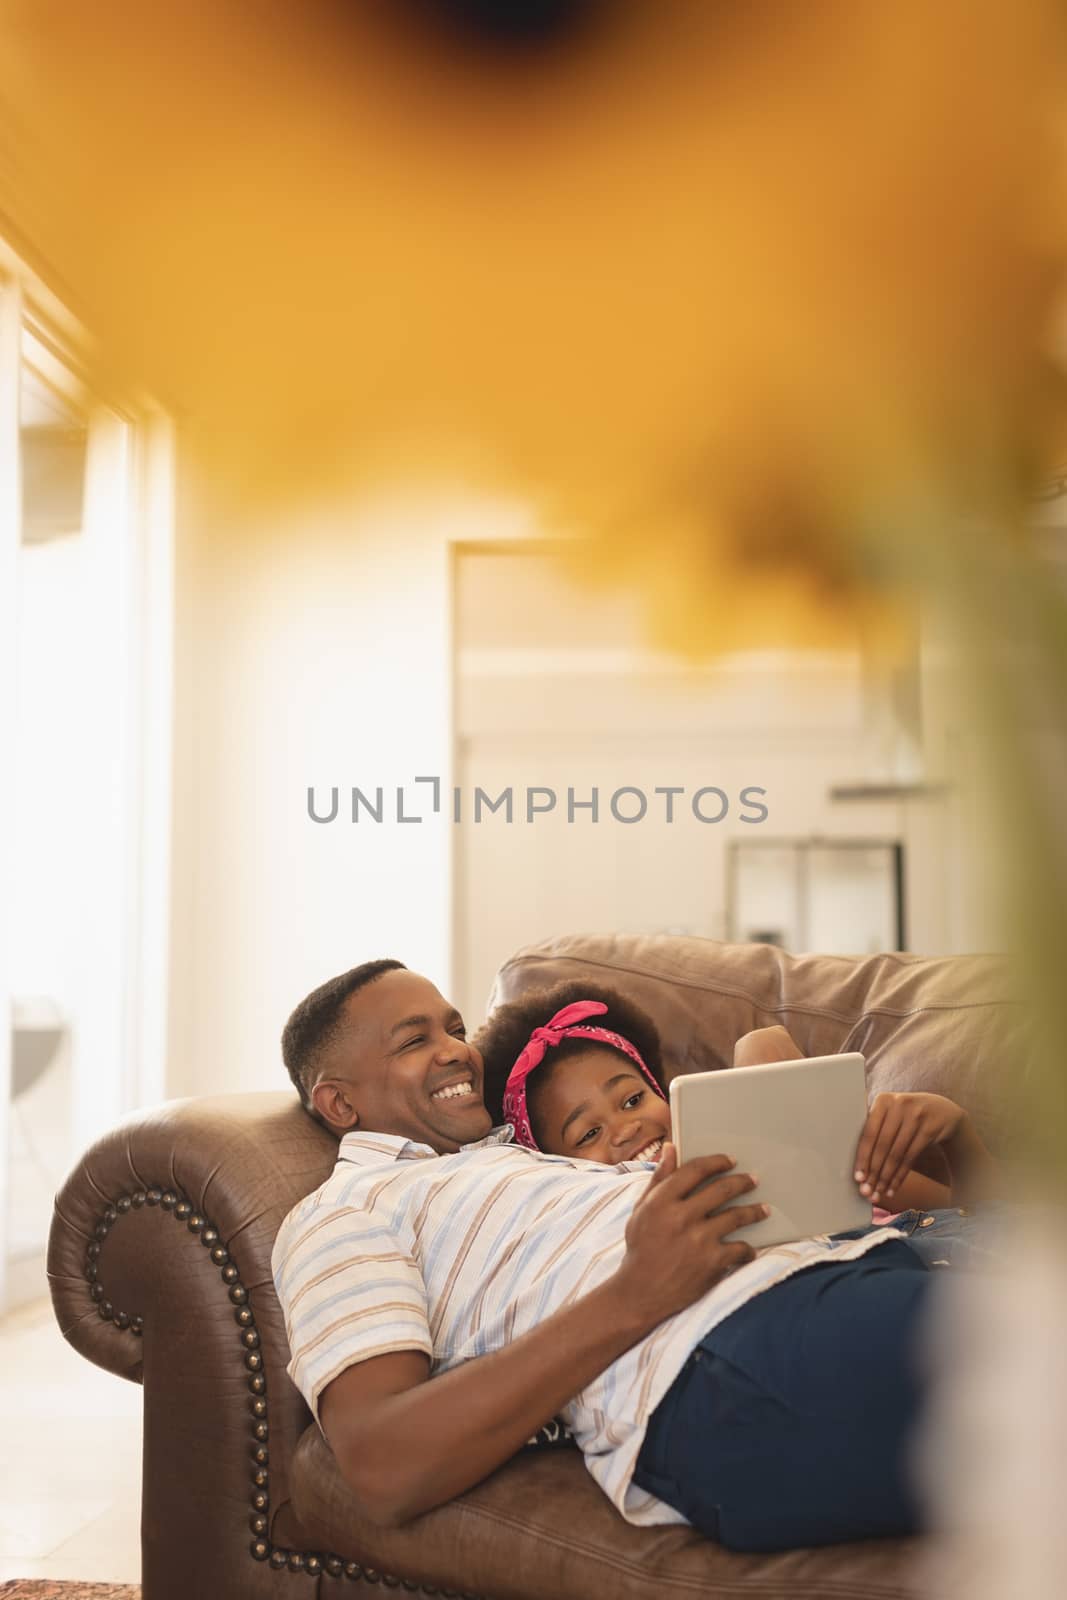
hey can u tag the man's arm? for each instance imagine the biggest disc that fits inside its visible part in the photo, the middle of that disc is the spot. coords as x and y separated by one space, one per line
406 1444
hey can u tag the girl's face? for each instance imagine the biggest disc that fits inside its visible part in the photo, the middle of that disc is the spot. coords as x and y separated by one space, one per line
599 1106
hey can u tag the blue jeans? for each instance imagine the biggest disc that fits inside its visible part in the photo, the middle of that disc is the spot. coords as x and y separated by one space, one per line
957 1236
790 1423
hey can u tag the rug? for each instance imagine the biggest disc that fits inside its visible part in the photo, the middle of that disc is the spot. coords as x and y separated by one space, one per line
54 1589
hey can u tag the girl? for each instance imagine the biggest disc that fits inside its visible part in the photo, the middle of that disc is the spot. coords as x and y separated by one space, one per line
577 1071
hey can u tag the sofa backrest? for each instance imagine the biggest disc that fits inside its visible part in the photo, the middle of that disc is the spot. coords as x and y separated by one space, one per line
947 1024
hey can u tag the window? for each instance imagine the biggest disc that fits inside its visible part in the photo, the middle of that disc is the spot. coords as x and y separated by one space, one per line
86 512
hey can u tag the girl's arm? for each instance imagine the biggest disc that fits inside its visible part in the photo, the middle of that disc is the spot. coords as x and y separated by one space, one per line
899 1128
975 1171
918 1193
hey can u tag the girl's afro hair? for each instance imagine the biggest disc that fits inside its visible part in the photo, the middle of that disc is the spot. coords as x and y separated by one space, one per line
502 1038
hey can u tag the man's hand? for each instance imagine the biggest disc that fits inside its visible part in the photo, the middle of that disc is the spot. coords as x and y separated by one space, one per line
898 1129
674 1245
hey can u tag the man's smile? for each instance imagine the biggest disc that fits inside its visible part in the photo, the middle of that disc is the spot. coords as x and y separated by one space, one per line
457 1089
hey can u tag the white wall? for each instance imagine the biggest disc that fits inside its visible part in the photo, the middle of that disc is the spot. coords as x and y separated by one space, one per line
322 654
525 882
317 653
554 689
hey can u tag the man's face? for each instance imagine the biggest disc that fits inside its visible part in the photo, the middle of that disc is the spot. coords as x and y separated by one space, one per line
403 1065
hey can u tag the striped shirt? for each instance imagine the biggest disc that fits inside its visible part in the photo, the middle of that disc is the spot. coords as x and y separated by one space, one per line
458 1255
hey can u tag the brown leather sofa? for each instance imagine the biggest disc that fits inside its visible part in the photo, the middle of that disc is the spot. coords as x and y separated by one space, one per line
159 1265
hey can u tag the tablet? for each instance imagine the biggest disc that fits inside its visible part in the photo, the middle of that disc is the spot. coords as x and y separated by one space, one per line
795 1125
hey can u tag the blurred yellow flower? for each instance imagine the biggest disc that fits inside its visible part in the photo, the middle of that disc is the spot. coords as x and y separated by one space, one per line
763 301
743 288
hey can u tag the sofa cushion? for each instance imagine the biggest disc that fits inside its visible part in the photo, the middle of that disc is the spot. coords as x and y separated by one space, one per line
540 1529
948 1024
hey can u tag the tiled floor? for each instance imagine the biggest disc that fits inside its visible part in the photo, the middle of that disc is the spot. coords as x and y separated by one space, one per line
70 1448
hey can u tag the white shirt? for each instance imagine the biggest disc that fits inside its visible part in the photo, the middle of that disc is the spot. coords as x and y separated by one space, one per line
459 1255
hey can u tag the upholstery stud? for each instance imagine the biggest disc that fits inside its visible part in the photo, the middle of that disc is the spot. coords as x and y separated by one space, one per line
199 1226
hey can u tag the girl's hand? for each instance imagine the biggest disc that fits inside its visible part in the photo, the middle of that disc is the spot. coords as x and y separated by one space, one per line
898 1129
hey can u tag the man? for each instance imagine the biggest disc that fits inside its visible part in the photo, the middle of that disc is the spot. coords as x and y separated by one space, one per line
765 1400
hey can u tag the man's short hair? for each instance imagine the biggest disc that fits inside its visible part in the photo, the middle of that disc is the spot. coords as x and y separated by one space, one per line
316 1024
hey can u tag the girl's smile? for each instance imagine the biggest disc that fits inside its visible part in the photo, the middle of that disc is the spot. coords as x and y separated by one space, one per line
599 1107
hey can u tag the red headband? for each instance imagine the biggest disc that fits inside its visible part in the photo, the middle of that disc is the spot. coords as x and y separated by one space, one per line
560 1027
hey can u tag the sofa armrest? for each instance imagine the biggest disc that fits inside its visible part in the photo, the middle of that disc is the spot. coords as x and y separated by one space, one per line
159 1269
